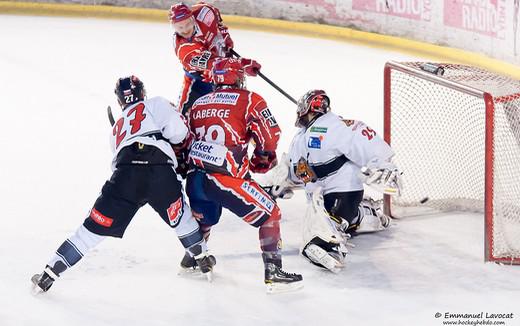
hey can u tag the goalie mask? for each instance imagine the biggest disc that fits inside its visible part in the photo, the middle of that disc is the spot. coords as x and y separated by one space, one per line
228 71
315 101
129 90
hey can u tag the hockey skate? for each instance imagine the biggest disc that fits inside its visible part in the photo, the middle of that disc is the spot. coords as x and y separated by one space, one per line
42 282
277 280
195 267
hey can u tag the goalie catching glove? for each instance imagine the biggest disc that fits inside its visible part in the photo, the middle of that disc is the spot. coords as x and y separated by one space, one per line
382 176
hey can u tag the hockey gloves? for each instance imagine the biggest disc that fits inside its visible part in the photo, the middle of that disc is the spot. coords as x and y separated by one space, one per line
228 42
262 161
251 67
385 178
181 151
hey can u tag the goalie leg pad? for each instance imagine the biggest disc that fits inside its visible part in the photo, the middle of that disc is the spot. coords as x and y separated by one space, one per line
320 257
372 217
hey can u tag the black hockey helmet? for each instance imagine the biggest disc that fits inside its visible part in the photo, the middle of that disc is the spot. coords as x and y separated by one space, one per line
129 90
314 101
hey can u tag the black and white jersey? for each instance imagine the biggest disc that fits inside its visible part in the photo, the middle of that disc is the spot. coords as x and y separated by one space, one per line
330 137
153 122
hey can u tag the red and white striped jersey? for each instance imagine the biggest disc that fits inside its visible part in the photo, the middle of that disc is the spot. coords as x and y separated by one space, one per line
224 122
198 52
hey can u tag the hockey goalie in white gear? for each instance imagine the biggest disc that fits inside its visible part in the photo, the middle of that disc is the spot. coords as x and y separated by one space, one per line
324 236
332 158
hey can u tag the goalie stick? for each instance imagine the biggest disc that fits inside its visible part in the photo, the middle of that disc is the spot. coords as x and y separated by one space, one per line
269 81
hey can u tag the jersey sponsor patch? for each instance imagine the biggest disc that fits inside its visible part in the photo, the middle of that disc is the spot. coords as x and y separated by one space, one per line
218 98
268 116
262 199
100 218
211 153
206 16
314 142
322 130
175 212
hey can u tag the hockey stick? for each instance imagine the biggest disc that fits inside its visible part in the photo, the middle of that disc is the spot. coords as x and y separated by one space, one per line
110 116
269 81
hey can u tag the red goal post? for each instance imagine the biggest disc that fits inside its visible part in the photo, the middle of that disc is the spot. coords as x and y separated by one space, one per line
455 130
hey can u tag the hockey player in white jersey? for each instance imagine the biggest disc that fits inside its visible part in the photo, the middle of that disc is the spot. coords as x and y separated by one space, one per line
332 158
143 172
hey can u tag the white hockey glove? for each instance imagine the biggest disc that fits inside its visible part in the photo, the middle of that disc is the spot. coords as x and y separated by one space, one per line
383 177
277 181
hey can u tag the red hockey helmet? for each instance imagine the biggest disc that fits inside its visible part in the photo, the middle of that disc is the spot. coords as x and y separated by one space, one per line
179 12
314 101
228 71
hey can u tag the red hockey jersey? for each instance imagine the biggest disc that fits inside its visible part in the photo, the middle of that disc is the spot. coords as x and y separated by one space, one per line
198 52
224 122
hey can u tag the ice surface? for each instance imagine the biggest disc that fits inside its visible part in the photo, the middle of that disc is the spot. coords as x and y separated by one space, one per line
57 77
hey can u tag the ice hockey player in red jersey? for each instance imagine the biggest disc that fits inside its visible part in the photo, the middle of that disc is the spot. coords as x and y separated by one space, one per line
200 38
143 172
224 123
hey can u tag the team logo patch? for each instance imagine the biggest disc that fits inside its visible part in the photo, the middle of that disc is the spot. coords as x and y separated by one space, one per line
263 200
175 212
100 218
314 142
348 122
268 116
322 130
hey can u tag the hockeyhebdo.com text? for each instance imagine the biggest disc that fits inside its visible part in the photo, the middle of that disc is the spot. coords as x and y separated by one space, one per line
482 318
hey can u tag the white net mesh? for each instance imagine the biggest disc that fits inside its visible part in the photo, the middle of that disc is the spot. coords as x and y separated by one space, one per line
438 131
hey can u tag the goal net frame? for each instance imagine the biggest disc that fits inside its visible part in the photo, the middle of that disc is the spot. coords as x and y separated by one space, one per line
477 90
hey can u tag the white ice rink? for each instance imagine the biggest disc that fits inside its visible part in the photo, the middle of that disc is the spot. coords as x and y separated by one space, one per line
57 76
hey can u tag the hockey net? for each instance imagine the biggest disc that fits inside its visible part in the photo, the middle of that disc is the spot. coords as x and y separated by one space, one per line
457 140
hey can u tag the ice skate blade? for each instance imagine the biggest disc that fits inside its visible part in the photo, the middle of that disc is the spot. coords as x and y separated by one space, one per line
195 273
189 271
35 289
276 288
209 276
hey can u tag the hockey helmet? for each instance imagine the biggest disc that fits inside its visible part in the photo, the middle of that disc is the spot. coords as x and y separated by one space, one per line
179 12
314 101
228 71
129 90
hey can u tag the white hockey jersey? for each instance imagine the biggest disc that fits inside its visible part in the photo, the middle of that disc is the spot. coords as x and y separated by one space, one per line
330 137
140 121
